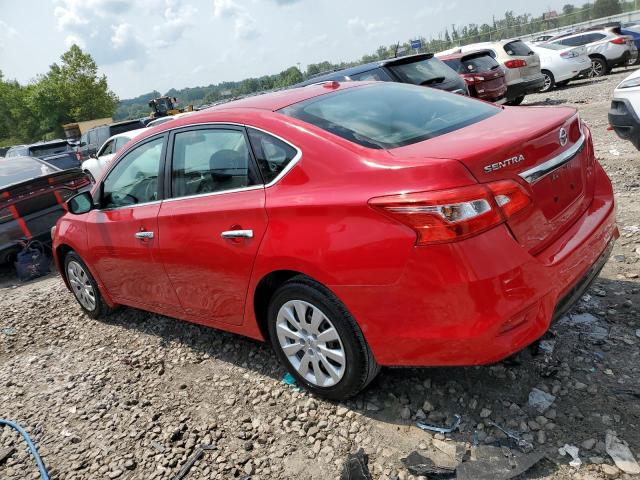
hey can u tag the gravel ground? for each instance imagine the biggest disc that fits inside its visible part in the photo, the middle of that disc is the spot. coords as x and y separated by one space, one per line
132 396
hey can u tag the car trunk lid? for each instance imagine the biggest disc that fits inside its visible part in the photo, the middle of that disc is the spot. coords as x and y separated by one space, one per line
525 145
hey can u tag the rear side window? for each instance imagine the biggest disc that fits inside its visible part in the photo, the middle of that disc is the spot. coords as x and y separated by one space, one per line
120 142
378 75
592 37
573 41
517 48
480 63
273 155
388 115
210 160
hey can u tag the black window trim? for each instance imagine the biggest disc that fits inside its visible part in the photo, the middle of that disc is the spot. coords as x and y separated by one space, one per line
168 167
99 192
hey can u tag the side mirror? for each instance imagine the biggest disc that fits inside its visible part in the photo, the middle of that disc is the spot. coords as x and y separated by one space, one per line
80 203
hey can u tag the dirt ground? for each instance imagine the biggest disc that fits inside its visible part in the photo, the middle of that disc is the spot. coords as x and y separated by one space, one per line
132 396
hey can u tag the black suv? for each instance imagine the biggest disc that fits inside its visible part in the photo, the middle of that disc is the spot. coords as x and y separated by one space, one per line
422 69
93 138
55 152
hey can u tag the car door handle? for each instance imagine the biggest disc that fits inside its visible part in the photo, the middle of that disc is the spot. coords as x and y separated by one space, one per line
144 235
237 234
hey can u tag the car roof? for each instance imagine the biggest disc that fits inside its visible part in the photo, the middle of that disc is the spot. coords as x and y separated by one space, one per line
128 134
283 98
365 67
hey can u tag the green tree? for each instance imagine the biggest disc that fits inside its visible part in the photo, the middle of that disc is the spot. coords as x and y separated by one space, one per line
568 9
71 92
604 8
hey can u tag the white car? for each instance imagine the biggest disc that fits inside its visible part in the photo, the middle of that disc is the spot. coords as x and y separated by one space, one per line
95 165
560 64
161 120
625 109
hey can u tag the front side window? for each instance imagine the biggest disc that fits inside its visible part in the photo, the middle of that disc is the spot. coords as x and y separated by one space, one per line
388 115
273 155
210 160
134 179
120 142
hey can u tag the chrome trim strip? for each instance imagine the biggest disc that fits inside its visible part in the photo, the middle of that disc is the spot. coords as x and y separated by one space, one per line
211 194
540 171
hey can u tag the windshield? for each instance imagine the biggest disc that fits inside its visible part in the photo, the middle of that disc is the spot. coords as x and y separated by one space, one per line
389 115
423 71
517 48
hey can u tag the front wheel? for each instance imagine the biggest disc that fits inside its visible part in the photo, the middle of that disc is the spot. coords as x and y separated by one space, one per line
598 68
84 287
549 81
318 341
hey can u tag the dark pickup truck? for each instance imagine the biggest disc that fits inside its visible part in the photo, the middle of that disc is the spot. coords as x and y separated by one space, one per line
58 153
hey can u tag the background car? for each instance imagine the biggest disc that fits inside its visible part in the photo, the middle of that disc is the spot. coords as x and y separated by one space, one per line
168 118
32 196
560 64
96 164
606 47
522 66
624 114
633 32
93 138
352 225
423 69
484 76
58 153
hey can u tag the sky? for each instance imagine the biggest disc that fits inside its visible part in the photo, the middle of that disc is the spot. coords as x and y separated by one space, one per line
146 45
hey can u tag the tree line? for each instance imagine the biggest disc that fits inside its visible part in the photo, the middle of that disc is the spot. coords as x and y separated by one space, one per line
73 91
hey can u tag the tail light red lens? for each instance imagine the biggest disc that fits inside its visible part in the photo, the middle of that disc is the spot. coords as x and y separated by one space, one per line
619 41
515 63
451 215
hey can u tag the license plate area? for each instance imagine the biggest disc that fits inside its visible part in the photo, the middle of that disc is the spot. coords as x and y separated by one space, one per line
557 190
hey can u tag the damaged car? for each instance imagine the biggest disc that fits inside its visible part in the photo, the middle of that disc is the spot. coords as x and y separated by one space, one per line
352 225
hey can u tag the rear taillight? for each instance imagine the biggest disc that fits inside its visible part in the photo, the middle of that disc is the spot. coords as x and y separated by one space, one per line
570 54
515 63
450 215
619 41
79 182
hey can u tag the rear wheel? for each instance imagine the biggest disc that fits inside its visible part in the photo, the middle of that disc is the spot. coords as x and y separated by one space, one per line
549 81
318 341
84 287
598 68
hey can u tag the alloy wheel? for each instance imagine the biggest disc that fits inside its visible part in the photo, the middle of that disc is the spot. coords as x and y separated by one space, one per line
81 285
311 343
547 83
597 69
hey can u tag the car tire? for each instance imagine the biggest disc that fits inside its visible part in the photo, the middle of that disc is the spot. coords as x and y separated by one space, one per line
336 367
598 68
84 287
516 101
549 81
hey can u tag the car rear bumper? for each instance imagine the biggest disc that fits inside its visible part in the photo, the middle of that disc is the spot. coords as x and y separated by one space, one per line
529 85
625 121
629 54
482 299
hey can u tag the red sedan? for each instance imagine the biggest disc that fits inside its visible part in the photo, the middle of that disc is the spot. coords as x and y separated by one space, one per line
352 225
484 76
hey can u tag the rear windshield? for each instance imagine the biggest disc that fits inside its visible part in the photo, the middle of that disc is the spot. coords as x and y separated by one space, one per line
389 115
479 63
423 72
49 149
517 48
20 169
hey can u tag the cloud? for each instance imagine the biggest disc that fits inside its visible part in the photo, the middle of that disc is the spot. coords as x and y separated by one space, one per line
97 27
177 20
6 32
359 26
286 2
244 25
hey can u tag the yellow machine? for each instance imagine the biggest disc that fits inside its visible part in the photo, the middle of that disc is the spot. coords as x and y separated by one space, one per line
163 106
